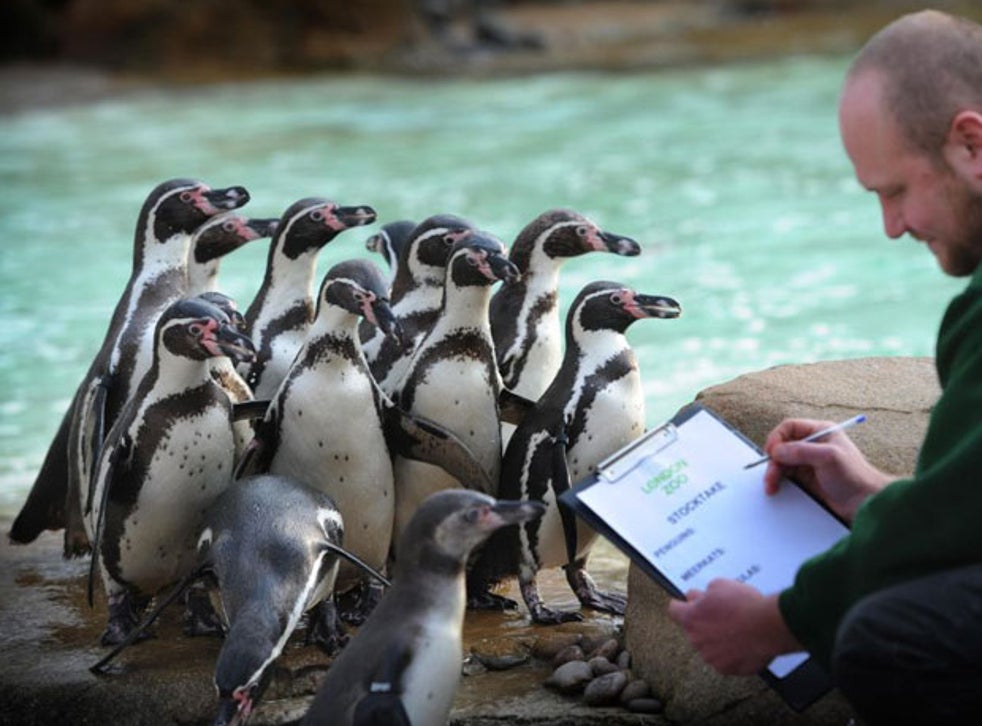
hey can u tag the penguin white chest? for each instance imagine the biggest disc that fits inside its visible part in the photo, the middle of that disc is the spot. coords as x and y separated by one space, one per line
191 466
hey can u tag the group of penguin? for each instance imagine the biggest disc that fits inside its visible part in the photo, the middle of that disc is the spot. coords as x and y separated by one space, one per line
289 456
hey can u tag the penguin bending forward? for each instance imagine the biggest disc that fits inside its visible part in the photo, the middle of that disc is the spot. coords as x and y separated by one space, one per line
166 459
278 318
594 406
171 212
403 665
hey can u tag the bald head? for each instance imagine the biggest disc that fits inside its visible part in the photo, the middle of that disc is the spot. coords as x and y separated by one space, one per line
930 67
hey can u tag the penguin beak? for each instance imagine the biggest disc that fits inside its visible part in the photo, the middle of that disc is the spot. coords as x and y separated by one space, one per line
653 306
224 199
234 344
503 268
623 246
263 227
513 512
354 216
228 713
387 323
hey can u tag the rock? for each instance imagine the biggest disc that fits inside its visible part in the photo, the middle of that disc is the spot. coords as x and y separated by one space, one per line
601 666
624 660
607 649
604 690
570 677
645 705
897 395
548 646
634 690
567 654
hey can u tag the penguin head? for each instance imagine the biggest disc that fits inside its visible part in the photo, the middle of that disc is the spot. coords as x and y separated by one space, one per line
449 524
479 259
562 233
227 305
309 224
226 232
432 241
358 287
242 672
607 305
196 329
182 205
390 240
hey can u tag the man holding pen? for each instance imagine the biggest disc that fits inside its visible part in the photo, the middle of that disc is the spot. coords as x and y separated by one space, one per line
894 610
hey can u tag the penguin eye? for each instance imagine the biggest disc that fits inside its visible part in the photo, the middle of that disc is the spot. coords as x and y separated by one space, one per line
228 225
186 197
617 298
317 215
472 515
196 329
582 230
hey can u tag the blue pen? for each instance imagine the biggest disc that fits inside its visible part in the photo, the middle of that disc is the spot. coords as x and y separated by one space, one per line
842 426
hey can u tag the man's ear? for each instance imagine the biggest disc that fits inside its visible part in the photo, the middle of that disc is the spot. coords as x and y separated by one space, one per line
963 148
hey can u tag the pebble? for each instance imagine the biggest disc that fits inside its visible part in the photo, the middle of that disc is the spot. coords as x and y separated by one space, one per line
604 690
570 677
624 660
635 689
601 666
607 649
567 654
548 646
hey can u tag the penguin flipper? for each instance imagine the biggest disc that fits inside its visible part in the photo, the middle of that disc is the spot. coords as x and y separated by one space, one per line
382 705
416 437
513 408
120 451
560 483
248 410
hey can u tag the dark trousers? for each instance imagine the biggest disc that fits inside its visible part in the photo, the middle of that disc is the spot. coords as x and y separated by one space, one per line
912 653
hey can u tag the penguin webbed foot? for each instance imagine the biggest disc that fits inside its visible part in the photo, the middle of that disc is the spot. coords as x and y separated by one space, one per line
541 615
487 600
124 617
588 594
355 606
324 627
200 617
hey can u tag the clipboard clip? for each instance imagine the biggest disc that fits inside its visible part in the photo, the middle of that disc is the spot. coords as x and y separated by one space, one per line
618 464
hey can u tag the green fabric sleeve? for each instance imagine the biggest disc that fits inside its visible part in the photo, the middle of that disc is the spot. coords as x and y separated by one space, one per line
915 526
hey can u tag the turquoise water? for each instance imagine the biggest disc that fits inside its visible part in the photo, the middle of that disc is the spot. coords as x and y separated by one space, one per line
731 178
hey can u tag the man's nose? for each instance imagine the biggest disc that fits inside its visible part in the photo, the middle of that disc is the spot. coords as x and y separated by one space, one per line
893 220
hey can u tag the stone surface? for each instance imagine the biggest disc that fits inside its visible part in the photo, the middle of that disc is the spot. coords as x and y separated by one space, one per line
896 394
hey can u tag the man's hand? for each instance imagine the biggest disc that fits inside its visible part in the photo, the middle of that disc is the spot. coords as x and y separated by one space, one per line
736 630
833 469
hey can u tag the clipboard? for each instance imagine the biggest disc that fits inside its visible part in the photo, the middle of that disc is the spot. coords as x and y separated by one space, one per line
680 504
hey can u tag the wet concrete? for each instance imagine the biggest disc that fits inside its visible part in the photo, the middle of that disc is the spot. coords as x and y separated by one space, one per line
49 638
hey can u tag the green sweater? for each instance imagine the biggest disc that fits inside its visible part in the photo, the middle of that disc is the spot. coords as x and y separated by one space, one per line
916 526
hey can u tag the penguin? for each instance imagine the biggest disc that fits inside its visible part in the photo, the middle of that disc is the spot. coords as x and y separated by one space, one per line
403 665
525 322
165 460
593 407
326 425
268 553
279 315
452 377
169 215
417 291
389 242
216 238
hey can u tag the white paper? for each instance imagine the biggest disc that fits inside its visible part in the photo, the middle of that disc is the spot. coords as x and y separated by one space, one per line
684 501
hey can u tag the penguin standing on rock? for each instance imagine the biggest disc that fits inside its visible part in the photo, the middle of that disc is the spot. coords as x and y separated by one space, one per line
525 317
170 214
403 666
278 318
326 424
594 406
165 460
452 377
417 292
389 242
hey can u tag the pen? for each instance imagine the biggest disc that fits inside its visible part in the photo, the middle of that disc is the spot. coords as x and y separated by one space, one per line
842 426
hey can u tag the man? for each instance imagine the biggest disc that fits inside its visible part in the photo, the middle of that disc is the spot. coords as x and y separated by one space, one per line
895 608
